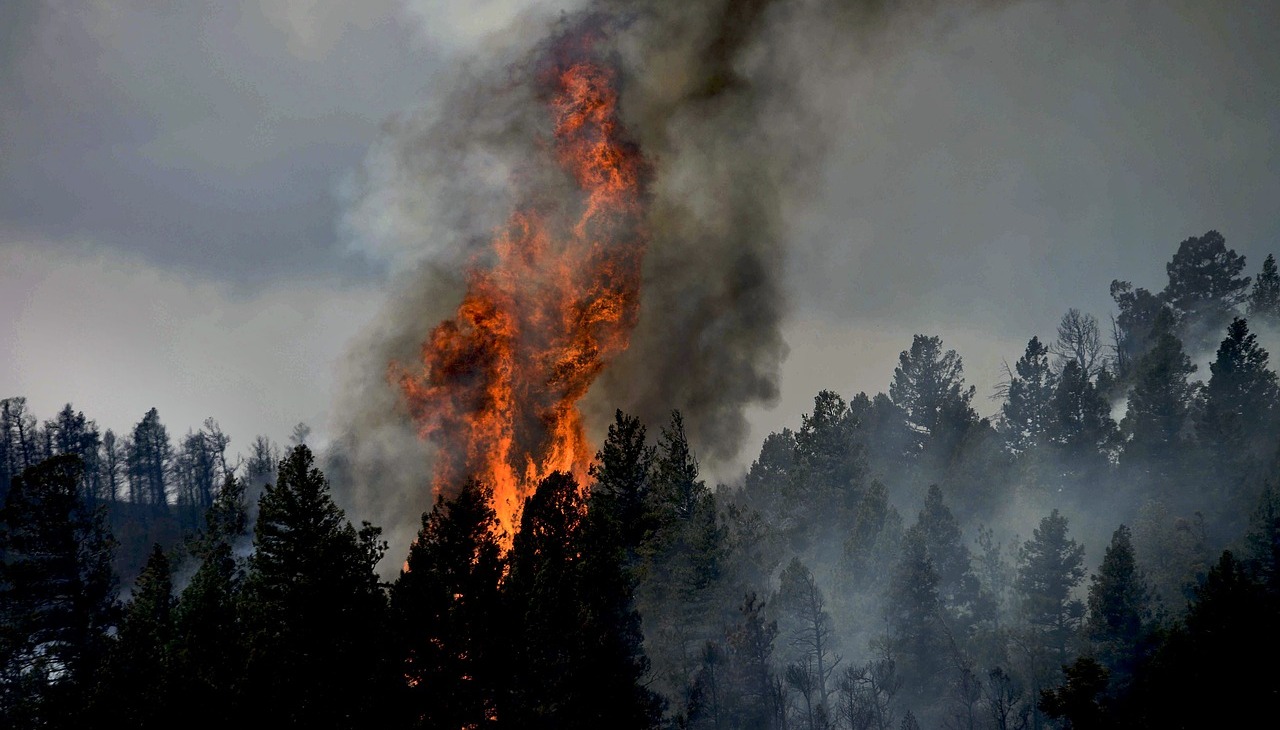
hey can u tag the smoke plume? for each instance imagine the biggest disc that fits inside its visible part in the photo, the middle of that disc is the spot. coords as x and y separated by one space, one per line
723 99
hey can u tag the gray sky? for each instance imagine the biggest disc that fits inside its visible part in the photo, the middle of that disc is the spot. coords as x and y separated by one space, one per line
171 188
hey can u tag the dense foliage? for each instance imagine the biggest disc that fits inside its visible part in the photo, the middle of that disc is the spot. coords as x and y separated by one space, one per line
1102 552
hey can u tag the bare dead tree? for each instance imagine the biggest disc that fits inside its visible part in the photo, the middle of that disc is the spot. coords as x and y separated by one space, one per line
1079 339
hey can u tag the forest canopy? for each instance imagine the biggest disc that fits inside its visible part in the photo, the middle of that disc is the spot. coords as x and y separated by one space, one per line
1102 551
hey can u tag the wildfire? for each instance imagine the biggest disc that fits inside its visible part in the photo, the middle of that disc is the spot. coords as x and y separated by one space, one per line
498 384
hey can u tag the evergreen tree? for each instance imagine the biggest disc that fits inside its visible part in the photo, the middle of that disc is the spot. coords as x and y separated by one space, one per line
1264 300
71 433
829 465
209 648
683 561
1263 539
1051 566
769 477
1235 421
1230 624
1077 702
1119 607
1204 285
1158 407
928 387
148 456
614 665
1082 430
136 686
18 443
57 596
1027 410
445 607
313 608
621 474
577 659
1142 317
751 696
958 588
917 638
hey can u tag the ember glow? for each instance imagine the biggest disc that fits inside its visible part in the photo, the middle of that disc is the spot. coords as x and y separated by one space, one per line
553 302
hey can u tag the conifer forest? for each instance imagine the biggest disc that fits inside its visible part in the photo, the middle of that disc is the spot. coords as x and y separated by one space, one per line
542 317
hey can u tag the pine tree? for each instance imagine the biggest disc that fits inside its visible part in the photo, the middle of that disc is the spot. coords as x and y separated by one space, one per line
958 588
209 652
577 657
1263 539
1027 409
622 475
313 607
917 638
682 562
829 465
57 595
1235 422
1230 623
149 455
1142 317
928 387
1082 431
1052 565
137 683
1158 407
1264 300
1204 285
445 607
1119 607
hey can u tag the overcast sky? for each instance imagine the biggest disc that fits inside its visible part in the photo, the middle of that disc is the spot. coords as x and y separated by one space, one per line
172 188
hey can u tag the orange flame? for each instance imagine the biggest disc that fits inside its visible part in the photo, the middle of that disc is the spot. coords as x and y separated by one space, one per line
498 385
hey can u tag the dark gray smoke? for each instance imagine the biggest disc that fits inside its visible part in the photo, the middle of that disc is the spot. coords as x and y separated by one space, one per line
721 96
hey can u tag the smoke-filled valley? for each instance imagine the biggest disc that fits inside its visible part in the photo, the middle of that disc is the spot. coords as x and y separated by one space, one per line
547 497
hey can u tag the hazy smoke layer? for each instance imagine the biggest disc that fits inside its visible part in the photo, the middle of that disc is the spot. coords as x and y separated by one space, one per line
720 95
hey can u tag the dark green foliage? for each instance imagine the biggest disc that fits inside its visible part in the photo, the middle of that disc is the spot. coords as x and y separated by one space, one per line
621 474
1215 669
1263 539
1264 299
209 652
683 562
18 441
917 636
928 386
1158 407
135 687
958 588
57 596
312 607
1051 567
1204 286
148 454
1078 701
1236 421
577 658
446 607
1082 430
1142 316
1027 412
1119 608
736 686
